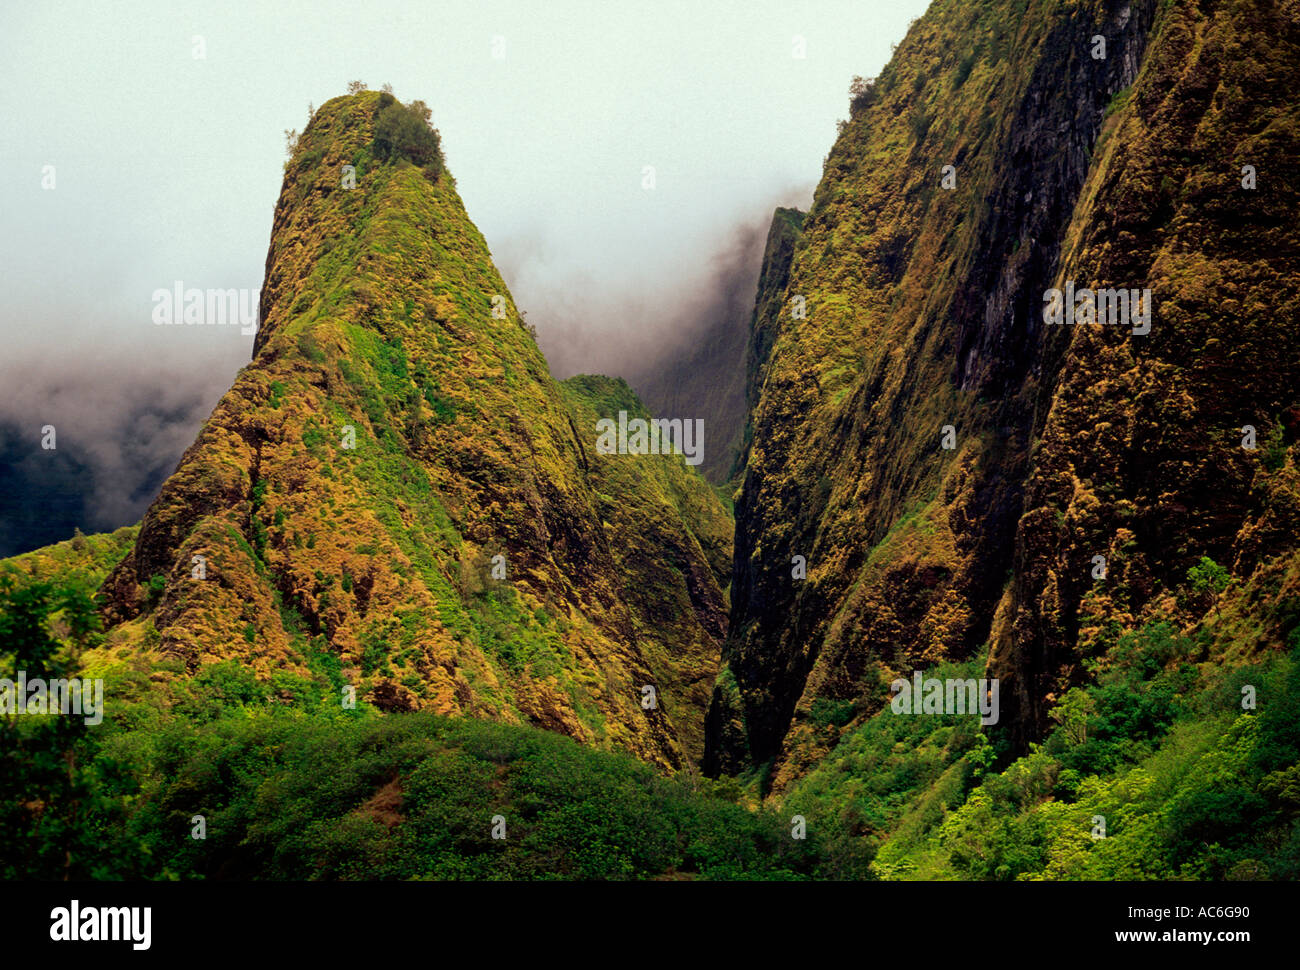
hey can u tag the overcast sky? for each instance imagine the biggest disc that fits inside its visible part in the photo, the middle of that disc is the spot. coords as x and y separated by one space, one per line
167 166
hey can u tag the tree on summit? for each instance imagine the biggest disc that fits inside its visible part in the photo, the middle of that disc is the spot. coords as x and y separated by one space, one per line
405 131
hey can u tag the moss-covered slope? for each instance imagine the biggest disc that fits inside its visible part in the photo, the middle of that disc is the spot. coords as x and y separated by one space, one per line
395 482
921 432
1138 449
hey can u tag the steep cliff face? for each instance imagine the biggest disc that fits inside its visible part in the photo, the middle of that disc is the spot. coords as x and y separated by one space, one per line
396 490
1138 453
921 430
765 324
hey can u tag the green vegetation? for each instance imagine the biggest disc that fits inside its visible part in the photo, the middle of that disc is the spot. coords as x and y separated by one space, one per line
44 798
291 785
888 776
1119 102
963 70
1273 453
1183 769
397 437
1207 580
405 131
415 796
397 429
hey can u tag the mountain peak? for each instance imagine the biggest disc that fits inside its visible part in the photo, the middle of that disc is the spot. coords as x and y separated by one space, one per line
397 489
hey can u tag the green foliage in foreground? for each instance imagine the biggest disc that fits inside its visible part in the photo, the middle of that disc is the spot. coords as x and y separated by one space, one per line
413 797
1190 783
1158 749
291 786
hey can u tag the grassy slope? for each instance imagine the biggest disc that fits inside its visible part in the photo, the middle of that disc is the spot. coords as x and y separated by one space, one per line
673 527
84 560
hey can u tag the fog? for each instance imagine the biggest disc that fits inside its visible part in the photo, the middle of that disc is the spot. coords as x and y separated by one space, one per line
143 144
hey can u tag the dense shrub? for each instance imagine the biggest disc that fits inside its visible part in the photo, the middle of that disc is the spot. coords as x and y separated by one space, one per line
293 786
404 131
